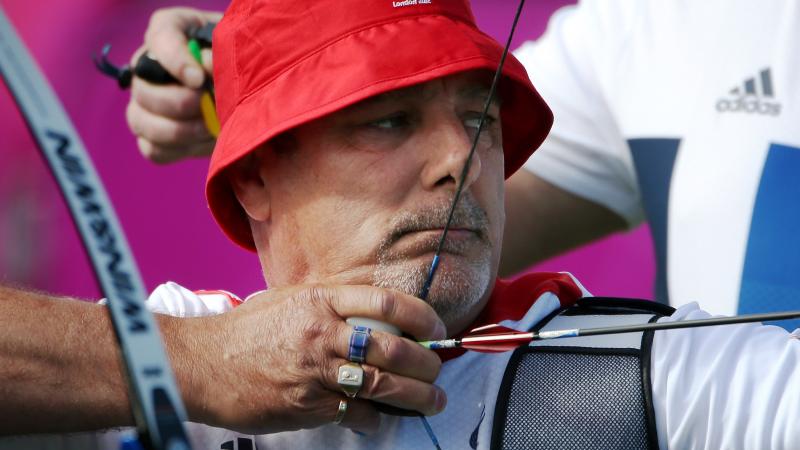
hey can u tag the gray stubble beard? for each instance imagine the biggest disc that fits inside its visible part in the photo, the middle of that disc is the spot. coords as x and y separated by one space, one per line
456 288
454 291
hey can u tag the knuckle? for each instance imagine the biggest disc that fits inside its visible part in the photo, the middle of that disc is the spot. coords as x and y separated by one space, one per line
394 351
319 297
186 102
167 15
307 361
160 132
171 132
302 398
156 19
385 302
312 294
176 132
311 331
376 381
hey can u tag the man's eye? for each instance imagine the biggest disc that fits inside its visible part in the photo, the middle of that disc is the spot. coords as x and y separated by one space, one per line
473 122
389 123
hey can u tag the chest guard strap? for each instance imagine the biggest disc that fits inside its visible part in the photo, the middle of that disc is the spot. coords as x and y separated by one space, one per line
584 392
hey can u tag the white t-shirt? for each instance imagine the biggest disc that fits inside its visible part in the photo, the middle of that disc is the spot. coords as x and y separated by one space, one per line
733 387
687 114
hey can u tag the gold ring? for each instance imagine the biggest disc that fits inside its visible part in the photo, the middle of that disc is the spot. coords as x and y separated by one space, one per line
341 412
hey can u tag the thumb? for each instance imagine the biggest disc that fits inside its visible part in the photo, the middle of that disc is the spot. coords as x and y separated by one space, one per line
165 40
208 60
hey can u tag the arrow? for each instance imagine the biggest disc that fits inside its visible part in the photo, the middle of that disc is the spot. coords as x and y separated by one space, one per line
497 338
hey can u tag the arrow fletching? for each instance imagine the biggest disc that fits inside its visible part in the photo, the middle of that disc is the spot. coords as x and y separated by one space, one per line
496 343
489 330
486 339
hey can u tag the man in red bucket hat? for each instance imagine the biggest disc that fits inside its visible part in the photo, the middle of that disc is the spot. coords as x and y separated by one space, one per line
345 129
322 57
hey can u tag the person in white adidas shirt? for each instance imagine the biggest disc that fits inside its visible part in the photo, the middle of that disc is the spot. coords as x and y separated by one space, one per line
681 113
371 180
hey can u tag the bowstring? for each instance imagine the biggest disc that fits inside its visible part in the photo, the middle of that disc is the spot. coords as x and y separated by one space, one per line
467 164
464 171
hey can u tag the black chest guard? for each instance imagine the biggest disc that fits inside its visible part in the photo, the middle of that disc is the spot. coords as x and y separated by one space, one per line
585 392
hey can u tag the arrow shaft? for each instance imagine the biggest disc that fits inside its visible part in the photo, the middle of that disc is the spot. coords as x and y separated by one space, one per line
508 341
715 321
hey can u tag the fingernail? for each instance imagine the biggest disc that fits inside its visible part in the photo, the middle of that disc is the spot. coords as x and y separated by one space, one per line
193 77
441 400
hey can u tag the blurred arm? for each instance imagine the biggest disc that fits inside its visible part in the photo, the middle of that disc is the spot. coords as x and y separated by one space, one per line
543 220
60 368
734 386
580 184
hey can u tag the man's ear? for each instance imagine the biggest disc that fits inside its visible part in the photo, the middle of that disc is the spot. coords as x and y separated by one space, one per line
249 186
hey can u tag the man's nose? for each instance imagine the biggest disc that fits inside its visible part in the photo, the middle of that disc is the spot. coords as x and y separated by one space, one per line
448 149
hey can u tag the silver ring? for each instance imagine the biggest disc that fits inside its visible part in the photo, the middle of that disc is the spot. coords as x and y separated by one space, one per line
340 412
350 378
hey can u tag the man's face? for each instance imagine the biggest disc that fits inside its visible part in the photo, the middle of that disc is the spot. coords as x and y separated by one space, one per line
362 196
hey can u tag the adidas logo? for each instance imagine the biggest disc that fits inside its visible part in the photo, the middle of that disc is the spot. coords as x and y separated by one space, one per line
753 97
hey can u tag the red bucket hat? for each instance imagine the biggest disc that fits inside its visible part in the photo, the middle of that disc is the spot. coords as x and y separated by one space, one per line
279 64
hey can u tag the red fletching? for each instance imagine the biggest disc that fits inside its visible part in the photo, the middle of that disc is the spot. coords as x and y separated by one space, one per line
490 329
495 339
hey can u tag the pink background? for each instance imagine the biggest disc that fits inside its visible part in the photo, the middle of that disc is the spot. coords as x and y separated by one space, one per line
162 208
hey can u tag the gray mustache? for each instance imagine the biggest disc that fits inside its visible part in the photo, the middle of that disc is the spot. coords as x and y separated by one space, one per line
467 215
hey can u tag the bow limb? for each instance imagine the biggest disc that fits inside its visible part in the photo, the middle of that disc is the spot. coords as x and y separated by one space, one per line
154 395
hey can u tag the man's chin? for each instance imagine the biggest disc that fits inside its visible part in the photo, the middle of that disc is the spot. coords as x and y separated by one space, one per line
455 291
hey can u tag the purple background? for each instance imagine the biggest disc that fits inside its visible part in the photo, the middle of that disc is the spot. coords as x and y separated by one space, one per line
162 208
